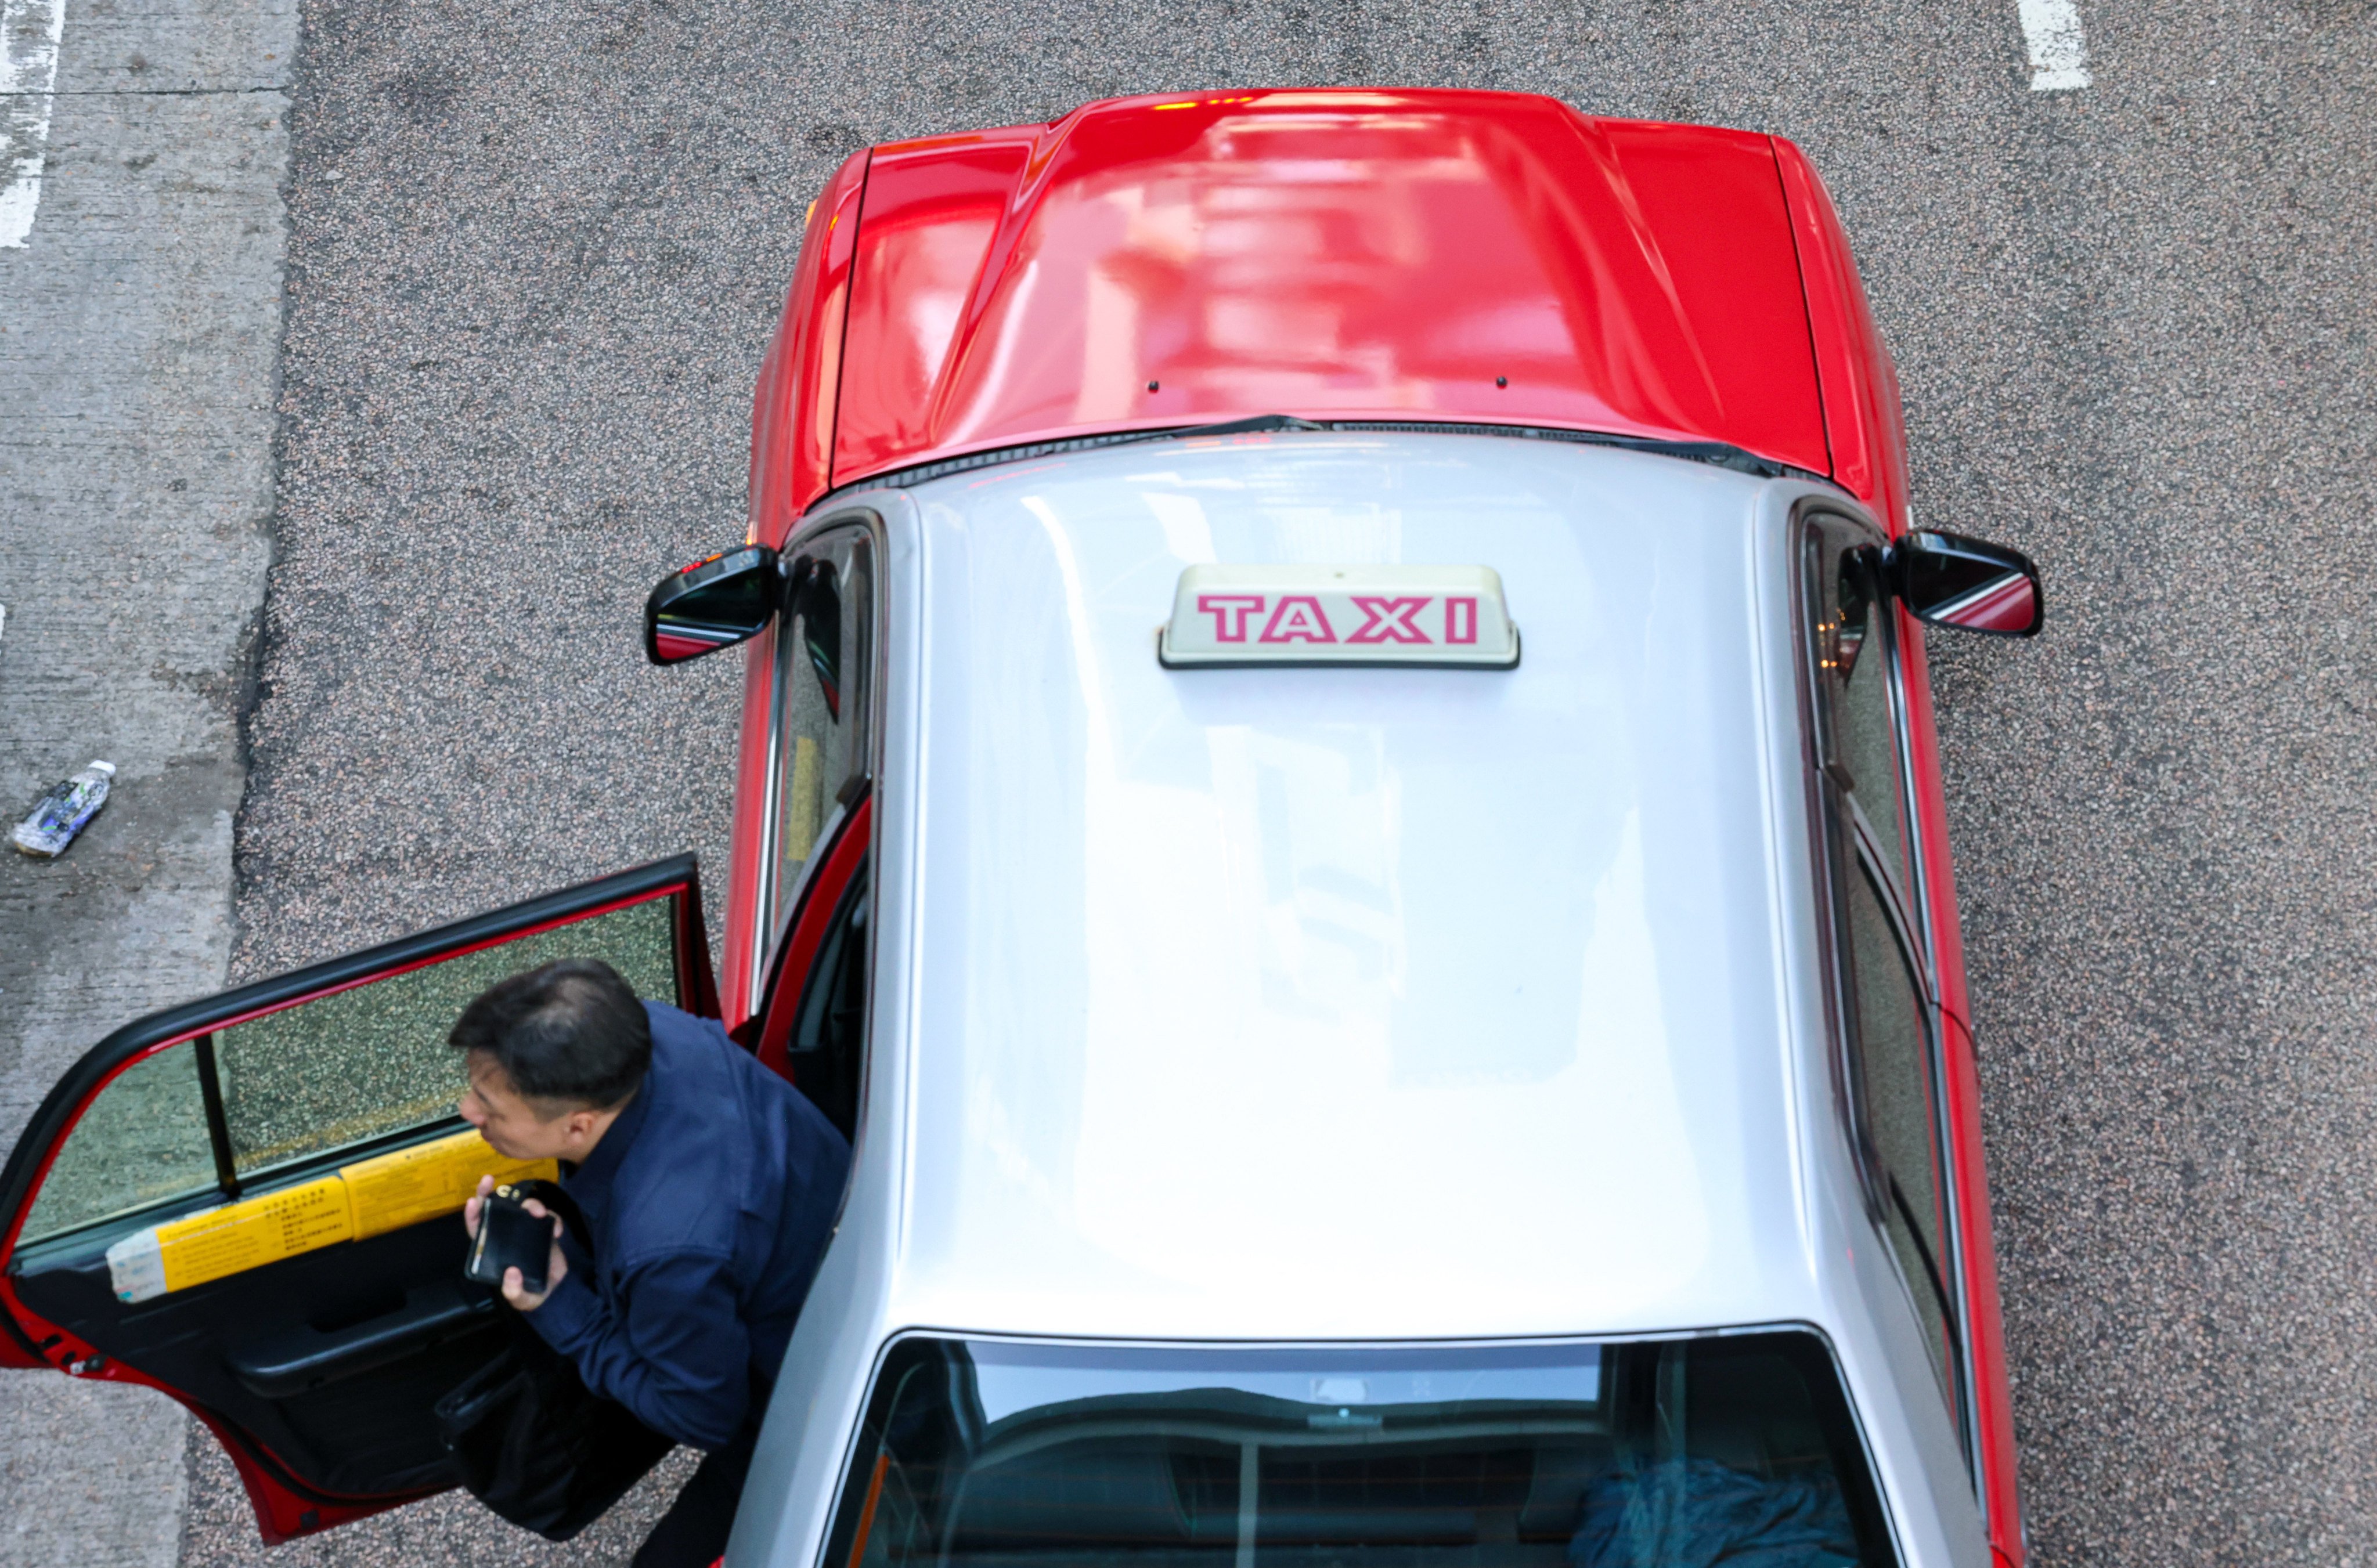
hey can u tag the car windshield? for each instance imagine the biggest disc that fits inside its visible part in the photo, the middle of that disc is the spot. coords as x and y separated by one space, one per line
1735 1449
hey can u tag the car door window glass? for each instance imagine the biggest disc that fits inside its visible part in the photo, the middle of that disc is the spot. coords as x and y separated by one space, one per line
326 1074
1900 1095
372 1060
825 663
1854 651
143 1141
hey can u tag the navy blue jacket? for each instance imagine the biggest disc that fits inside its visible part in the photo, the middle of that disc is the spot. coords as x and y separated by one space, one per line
709 1202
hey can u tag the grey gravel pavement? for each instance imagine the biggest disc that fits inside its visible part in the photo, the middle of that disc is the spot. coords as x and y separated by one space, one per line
535 252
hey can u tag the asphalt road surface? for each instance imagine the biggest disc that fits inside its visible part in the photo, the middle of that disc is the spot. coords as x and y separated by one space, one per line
535 252
140 339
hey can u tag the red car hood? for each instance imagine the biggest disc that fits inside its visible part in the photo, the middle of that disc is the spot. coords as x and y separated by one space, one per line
1332 253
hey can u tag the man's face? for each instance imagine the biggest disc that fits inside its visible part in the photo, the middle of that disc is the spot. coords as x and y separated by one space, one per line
515 1126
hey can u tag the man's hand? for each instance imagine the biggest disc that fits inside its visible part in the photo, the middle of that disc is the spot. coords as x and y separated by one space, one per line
556 1267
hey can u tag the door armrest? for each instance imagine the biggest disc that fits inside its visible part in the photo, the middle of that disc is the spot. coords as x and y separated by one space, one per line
290 1364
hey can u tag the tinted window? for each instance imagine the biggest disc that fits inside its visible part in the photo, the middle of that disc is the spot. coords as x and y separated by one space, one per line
1900 1097
143 1141
316 1077
374 1059
1853 657
1632 1455
824 672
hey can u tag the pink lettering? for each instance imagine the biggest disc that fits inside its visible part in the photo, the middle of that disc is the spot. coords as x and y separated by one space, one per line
1460 620
1298 619
1388 620
1229 611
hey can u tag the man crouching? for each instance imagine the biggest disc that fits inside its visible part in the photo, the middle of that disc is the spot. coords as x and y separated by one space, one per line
709 1187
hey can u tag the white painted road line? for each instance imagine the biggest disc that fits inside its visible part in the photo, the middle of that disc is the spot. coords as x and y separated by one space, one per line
2059 52
28 69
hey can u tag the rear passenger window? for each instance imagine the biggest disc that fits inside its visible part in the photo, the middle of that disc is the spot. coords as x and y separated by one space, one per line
1900 1096
346 1068
143 1141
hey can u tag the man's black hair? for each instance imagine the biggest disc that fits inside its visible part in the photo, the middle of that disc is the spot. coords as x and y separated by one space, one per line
568 1030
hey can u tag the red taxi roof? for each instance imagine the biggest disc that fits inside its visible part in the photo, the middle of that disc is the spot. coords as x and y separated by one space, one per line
1391 254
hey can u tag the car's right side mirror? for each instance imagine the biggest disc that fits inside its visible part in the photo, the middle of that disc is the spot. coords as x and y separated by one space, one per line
1949 581
712 604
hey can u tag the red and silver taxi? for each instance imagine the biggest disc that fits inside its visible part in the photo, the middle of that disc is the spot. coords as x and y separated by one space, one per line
1338 788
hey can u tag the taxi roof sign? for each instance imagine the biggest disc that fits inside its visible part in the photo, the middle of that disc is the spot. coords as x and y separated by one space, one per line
1429 616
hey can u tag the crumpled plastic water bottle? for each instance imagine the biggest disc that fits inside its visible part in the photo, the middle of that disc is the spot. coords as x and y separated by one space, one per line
57 816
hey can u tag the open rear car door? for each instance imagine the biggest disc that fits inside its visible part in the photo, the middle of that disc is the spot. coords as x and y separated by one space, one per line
251 1202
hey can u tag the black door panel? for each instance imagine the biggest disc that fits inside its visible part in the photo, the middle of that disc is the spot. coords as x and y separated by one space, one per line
352 1425
283 1366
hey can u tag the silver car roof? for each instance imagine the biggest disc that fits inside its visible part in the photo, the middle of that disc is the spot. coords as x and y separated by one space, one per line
1325 1003
1299 1005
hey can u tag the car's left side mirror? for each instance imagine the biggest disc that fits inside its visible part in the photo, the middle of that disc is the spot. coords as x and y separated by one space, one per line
1946 579
712 604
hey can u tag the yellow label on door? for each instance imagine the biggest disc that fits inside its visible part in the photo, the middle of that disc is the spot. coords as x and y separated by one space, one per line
392 1191
368 1198
253 1232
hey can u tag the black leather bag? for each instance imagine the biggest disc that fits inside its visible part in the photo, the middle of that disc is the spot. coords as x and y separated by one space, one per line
531 1440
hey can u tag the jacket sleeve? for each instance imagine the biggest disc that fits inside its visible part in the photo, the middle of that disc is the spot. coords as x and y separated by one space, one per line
673 1351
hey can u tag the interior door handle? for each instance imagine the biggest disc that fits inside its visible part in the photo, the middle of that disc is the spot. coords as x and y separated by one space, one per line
291 1363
